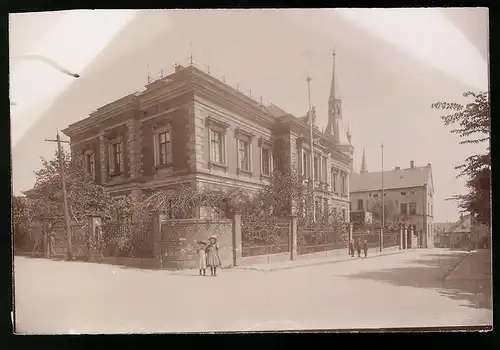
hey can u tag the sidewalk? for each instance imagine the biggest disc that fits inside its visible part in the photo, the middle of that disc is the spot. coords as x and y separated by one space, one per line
476 265
284 265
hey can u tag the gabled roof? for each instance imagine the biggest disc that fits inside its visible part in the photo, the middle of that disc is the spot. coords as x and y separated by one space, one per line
402 178
275 111
464 224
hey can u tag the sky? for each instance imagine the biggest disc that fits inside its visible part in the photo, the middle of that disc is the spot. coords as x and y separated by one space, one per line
391 65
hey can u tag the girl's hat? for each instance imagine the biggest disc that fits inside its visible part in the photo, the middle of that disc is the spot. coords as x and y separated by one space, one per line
213 237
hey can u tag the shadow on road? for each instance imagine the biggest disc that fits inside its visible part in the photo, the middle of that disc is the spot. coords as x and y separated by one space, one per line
431 273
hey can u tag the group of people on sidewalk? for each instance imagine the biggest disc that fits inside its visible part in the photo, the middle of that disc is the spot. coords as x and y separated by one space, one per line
356 244
208 255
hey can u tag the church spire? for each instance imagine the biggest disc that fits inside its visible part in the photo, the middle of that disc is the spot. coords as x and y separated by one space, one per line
363 163
334 109
333 92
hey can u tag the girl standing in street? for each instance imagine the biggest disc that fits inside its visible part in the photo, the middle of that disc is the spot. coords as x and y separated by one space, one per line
213 260
202 257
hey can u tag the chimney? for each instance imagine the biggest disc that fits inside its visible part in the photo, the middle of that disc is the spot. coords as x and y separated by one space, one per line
412 164
397 168
429 165
461 215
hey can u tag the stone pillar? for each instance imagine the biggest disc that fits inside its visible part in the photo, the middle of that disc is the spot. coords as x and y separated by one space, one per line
158 240
405 238
412 232
349 237
293 238
401 233
94 238
381 239
237 244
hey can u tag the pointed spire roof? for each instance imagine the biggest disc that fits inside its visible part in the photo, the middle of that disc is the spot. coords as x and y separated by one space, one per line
333 90
363 163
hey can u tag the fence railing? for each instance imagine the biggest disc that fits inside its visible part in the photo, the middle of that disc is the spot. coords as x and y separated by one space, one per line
262 236
320 238
392 239
127 240
372 238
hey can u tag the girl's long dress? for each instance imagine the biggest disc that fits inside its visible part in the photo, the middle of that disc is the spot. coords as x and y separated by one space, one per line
213 259
202 259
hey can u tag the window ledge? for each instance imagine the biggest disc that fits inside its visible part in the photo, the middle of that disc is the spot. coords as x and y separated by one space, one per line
246 172
166 165
217 165
264 176
115 174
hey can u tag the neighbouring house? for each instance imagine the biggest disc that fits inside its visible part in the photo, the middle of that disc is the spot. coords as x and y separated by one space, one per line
408 197
460 234
191 128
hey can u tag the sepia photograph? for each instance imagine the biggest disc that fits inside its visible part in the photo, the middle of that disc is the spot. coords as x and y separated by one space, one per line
250 170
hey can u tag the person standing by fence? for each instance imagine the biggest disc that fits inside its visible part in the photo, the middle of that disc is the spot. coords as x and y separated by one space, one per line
357 243
213 260
351 248
365 247
202 257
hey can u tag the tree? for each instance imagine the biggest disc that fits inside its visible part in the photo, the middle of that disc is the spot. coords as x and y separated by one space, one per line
85 197
390 212
20 220
472 123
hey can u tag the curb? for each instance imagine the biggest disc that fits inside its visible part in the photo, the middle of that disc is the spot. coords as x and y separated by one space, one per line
320 263
456 266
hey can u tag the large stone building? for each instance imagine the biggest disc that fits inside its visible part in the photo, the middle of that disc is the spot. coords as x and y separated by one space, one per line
191 128
408 197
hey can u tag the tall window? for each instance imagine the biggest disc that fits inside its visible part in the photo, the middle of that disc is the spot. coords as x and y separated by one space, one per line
404 208
164 147
324 171
344 215
244 155
360 204
334 180
316 169
216 146
266 161
413 208
344 184
115 158
306 161
90 163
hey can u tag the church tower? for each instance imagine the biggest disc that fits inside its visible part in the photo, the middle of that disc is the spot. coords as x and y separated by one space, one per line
335 128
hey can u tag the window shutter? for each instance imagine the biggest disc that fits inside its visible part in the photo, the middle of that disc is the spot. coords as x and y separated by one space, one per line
155 150
111 163
93 162
169 147
122 156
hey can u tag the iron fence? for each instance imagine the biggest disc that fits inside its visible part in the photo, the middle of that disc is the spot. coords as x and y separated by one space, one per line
262 236
319 238
392 239
127 239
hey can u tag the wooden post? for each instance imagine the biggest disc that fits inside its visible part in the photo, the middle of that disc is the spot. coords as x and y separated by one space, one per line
381 239
293 238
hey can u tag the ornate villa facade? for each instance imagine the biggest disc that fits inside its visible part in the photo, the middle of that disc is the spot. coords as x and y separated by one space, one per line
191 128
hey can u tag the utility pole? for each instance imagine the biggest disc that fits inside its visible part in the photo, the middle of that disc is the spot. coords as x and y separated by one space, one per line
383 194
65 195
308 80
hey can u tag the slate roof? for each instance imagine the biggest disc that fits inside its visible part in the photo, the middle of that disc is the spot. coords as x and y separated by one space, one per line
275 111
403 178
464 224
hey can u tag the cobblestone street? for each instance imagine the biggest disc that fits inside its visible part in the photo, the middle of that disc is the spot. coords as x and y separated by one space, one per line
412 289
